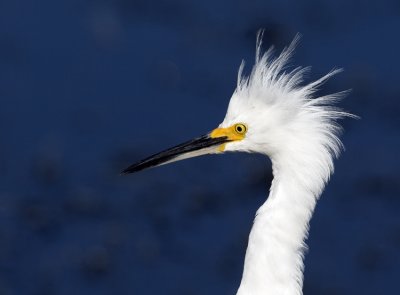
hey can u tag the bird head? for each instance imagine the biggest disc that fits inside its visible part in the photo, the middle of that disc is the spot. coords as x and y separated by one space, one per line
269 113
246 128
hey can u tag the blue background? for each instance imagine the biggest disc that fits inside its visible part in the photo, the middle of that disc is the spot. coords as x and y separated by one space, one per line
89 87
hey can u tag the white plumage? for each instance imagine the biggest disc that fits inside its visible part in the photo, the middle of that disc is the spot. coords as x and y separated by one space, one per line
272 113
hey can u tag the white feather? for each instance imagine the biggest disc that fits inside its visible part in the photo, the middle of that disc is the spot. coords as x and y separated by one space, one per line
299 132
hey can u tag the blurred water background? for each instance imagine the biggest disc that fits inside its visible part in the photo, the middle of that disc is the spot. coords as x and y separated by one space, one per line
89 87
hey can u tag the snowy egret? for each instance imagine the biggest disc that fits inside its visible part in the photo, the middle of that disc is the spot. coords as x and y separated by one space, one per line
272 113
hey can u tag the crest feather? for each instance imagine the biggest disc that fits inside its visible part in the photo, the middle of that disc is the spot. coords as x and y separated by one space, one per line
273 86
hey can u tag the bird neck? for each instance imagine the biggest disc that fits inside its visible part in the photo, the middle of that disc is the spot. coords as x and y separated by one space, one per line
274 257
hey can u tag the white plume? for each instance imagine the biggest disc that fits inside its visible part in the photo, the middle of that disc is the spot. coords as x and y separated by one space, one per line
299 132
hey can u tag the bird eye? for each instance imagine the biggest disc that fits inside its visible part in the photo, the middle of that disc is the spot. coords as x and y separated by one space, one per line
240 128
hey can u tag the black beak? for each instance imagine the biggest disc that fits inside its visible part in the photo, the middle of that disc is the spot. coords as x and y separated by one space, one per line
195 147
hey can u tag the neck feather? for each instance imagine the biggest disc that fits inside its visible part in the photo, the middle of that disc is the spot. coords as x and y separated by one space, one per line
274 257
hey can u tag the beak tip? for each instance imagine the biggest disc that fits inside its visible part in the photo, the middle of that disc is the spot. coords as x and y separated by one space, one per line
133 168
126 171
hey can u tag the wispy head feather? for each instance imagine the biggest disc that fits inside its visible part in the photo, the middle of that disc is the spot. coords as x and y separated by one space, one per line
299 131
285 117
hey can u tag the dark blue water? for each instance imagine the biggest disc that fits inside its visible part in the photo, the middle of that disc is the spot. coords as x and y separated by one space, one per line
88 87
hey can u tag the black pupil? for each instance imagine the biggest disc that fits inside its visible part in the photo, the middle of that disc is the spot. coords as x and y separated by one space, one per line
239 128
